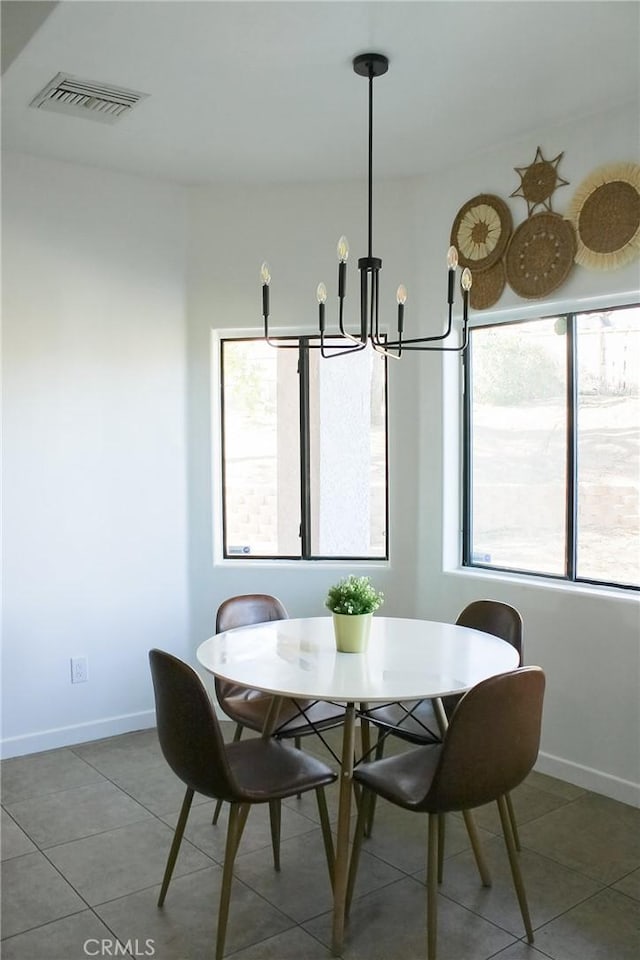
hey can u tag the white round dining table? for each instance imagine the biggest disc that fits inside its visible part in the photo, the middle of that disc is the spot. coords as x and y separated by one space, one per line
404 660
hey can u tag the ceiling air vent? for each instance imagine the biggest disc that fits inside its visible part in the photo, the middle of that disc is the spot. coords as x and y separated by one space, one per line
83 98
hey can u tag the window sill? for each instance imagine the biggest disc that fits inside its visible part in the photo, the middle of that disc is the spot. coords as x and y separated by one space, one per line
546 583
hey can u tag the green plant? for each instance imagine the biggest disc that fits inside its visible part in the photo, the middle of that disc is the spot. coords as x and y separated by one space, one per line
353 596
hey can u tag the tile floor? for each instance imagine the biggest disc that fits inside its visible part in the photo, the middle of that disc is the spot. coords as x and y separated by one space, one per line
86 831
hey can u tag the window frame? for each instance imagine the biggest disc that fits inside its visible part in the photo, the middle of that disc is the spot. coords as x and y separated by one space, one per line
305 344
571 471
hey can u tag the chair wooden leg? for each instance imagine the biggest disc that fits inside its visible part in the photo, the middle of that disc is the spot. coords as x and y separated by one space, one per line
432 885
515 866
275 816
476 846
514 822
297 741
236 736
326 832
237 819
364 812
378 756
442 831
175 846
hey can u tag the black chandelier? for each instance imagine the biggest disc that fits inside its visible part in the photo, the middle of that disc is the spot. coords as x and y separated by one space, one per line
373 65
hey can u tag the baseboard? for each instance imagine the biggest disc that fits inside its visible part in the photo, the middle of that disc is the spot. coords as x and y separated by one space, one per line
614 787
77 733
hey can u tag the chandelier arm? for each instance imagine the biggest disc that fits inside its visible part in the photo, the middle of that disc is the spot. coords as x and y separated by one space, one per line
345 333
384 352
339 351
458 349
433 339
276 346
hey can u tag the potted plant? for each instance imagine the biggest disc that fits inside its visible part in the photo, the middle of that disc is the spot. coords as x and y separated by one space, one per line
353 601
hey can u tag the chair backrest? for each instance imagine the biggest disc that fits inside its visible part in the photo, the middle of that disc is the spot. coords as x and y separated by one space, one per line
493 616
491 743
188 729
242 611
249 608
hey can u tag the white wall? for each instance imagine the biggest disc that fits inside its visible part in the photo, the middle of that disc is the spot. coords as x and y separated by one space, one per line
587 640
94 518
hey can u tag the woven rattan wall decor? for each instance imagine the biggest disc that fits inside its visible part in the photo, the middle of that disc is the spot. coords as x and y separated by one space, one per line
605 212
601 231
541 251
480 233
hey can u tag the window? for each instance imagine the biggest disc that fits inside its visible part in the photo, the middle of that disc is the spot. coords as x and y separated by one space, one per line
304 452
552 447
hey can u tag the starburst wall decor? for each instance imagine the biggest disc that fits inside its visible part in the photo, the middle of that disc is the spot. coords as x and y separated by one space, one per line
539 181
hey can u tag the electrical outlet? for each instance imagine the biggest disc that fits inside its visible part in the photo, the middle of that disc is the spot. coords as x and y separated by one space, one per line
79 670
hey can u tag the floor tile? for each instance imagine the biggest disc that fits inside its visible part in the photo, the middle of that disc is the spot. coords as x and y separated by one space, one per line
294 944
529 803
400 837
302 889
154 785
42 773
593 834
116 755
551 888
575 843
629 885
122 861
560 788
521 951
391 923
185 927
71 814
605 926
33 893
211 838
73 938
14 840
308 807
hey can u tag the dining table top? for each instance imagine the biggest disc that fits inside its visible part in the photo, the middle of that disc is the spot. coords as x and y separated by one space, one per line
405 659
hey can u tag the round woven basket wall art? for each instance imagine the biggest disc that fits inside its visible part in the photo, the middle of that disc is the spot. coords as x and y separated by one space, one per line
487 286
481 231
540 255
605 212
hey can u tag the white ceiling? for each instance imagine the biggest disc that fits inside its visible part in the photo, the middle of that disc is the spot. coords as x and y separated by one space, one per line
264 91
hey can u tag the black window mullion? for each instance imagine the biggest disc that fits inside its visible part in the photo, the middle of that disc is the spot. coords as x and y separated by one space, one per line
467 460
572 448
305 450
223 447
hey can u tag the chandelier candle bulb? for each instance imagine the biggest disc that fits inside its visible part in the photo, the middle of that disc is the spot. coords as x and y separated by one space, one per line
465 283
265 276
343 255
452 263
401 297
321 296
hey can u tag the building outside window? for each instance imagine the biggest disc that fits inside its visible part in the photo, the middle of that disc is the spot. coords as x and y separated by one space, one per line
304 452
552 447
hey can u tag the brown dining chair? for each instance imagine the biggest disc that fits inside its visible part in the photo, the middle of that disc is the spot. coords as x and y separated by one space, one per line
249 707
416 721
261 770
490 746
